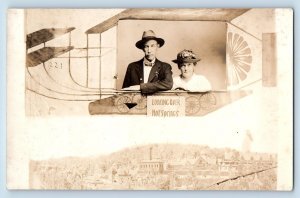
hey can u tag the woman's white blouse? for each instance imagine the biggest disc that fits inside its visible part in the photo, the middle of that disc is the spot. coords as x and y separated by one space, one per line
196 83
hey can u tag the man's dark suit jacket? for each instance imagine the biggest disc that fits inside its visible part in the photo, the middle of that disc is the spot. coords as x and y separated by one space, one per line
160 77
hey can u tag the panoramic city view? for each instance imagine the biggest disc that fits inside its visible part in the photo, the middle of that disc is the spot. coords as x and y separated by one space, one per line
160 167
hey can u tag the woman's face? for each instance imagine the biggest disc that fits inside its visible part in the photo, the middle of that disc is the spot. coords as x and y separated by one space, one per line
187 69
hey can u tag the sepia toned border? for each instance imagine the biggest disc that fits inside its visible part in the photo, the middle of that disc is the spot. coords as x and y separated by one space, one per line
17 110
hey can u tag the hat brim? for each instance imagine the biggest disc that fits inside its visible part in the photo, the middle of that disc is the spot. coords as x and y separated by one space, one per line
186 61
140 43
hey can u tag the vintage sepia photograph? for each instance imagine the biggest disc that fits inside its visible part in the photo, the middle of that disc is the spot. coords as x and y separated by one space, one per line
150 99
113 66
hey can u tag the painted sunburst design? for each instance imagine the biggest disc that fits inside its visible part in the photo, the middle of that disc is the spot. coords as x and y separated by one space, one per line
240 58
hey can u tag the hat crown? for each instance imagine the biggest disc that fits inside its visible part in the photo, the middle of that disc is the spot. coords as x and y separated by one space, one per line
148 33
186 54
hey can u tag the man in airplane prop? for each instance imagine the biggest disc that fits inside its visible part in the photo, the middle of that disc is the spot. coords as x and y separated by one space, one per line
149 74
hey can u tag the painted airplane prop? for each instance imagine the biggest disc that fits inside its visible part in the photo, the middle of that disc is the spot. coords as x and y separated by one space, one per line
50 72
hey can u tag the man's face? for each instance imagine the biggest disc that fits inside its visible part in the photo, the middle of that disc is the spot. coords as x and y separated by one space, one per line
150 49
187 69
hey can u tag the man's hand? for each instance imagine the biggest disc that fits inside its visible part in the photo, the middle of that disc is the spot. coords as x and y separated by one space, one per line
181 89
134 88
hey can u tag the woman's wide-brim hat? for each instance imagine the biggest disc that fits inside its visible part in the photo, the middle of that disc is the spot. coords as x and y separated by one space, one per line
186 56
147 36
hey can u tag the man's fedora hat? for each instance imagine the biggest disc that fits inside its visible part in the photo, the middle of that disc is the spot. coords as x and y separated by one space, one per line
186 56
149 35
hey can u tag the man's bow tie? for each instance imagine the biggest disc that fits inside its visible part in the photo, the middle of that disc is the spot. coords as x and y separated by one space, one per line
149 64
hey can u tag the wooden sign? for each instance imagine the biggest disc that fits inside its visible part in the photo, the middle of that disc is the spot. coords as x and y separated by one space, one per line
165 106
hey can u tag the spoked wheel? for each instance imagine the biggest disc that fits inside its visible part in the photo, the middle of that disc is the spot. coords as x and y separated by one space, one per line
140 100
192 105
120 103
207 101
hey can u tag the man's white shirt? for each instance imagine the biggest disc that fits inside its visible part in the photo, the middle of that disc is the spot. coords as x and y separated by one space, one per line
147 69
